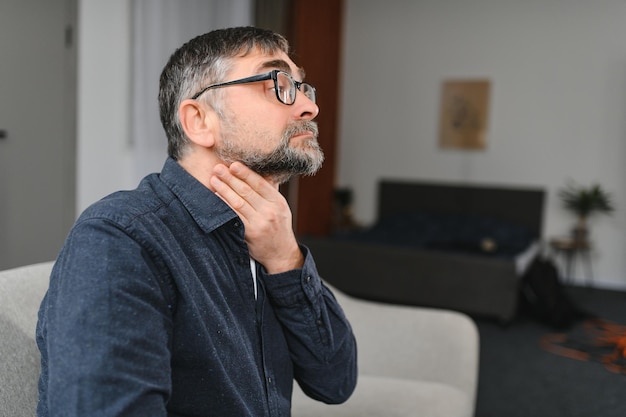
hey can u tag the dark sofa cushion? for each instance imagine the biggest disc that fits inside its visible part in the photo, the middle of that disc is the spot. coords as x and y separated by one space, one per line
448 232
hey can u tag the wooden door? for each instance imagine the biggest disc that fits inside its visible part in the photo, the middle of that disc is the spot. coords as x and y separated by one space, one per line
314 31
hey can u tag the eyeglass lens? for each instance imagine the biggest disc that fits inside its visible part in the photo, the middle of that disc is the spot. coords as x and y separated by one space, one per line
286 88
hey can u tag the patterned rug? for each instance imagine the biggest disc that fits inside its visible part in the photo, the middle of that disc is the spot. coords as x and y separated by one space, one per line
595 340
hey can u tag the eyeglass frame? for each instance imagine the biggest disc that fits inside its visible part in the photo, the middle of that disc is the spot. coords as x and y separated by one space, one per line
272 75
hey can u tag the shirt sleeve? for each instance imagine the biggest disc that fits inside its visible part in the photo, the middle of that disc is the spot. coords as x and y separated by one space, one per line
107 329
320 339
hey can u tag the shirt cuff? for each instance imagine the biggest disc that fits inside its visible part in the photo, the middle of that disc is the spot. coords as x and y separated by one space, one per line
295 286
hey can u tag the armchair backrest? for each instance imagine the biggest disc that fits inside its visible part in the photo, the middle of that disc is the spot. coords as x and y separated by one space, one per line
21 292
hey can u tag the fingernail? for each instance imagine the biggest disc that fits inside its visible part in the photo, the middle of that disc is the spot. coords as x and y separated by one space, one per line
235 167
219 169
214 181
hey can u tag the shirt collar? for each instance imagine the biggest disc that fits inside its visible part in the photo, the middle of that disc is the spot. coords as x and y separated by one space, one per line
207 209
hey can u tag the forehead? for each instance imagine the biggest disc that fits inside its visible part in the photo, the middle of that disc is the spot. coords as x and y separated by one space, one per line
257 62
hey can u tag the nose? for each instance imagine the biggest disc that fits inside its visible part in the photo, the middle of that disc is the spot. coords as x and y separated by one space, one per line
304 108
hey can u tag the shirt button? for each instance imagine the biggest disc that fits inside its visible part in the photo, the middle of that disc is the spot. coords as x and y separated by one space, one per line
308 279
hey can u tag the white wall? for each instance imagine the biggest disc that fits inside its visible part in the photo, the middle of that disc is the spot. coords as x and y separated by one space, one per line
558 101
103 128
110 158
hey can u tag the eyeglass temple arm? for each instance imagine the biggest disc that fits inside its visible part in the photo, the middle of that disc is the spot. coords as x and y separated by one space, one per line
261 77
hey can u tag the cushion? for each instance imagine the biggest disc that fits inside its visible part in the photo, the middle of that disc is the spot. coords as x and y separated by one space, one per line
377 396
477 235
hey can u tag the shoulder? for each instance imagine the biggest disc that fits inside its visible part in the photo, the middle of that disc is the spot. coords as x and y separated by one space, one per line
125 207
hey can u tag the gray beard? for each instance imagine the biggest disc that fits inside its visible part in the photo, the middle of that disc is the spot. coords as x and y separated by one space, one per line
284 161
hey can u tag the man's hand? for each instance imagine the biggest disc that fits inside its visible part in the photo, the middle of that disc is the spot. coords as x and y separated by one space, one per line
265 214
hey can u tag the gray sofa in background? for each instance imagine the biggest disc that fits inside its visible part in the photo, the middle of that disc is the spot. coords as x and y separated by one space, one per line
413 361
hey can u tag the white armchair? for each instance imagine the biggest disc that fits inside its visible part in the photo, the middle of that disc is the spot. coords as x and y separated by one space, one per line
21 292
413 361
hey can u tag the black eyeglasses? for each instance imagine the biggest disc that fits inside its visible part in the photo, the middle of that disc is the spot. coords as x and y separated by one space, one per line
284 86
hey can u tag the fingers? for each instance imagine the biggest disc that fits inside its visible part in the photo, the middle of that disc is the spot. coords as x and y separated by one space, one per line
241 188
221 183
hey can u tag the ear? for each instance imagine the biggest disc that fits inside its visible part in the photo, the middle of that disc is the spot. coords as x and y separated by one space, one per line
199 122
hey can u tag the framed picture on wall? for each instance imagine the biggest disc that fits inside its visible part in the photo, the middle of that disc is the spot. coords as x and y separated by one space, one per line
464 114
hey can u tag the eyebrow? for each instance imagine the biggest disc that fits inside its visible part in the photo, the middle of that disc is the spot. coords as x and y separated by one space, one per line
281 65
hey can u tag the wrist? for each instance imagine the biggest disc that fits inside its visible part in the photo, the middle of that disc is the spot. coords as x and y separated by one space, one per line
294 261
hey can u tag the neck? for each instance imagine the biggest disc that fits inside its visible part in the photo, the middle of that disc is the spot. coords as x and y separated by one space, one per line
201 168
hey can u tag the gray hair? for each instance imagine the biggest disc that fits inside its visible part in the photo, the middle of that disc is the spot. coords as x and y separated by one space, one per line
204 60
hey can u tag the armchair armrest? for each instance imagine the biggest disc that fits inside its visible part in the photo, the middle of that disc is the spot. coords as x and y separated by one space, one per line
415 343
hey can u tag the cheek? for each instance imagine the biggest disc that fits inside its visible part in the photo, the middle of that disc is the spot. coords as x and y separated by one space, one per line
256 126
261 133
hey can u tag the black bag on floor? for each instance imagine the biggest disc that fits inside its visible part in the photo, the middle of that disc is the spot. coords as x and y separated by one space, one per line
544 297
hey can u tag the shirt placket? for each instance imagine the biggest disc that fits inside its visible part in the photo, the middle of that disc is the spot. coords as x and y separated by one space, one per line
271 388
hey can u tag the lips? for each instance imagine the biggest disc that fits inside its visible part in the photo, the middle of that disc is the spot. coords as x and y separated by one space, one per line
303 135
307 128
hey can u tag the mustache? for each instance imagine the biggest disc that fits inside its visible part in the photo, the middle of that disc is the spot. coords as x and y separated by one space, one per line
300 128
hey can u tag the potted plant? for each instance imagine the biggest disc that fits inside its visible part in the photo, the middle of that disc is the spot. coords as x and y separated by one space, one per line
583 202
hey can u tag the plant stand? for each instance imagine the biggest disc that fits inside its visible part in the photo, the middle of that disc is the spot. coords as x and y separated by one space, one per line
570 249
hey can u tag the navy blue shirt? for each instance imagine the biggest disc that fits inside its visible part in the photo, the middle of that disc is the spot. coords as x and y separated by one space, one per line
151 311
